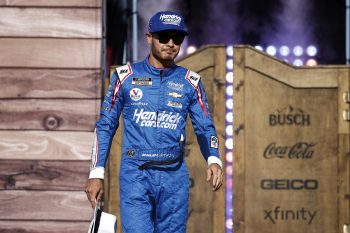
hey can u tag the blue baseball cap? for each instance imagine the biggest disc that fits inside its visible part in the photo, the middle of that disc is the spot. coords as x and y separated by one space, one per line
167 20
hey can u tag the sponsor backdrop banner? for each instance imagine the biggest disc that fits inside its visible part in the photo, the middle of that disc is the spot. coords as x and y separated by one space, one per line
286 147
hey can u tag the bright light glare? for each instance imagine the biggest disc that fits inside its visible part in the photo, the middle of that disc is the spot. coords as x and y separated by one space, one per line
229 64
229 157
229 51
229 143
298 51
229 104
229 90
258 47
311 50
284 50
191 49
229 77
229 130
271 50
311 62
298 62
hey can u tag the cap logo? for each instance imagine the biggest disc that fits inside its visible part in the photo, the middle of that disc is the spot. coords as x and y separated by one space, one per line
170 19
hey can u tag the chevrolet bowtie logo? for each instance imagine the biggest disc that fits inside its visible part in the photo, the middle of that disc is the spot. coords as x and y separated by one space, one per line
175 95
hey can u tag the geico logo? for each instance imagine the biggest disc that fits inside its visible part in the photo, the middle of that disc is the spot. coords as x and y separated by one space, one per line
297 184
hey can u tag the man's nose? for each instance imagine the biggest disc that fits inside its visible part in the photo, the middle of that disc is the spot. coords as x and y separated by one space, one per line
171 42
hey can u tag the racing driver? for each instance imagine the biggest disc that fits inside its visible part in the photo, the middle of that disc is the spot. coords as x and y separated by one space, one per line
155 96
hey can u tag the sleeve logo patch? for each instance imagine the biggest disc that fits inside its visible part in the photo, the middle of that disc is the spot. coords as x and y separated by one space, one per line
214 142
123 71
194 78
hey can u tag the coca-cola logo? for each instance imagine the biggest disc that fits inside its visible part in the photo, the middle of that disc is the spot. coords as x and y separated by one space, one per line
300 150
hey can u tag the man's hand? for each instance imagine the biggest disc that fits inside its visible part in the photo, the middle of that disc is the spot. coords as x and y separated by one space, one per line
215 171
94 191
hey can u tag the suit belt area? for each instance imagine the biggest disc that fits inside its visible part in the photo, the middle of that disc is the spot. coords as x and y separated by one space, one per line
155 158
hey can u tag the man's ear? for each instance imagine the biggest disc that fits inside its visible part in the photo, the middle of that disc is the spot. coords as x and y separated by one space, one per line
148 37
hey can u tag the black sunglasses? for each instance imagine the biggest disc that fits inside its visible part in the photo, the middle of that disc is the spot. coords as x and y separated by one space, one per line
164 37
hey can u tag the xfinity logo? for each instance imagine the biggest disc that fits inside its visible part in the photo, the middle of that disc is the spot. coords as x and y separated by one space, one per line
168 120
277 214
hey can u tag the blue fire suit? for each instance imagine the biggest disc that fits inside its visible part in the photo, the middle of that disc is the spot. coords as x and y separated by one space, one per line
154 103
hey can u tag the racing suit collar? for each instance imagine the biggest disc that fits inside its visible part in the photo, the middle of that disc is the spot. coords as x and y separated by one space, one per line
157 71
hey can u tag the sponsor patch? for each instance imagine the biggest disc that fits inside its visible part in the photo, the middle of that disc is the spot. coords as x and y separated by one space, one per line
174 104
194 78
139 104
174 95
142 81
157 155
130 153
166 120
124 71
170 19
175 86
214 142
136 94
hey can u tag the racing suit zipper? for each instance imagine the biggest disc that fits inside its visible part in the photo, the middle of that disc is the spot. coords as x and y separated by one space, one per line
160 94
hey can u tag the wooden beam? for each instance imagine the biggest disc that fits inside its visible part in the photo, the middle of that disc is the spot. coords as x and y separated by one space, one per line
49 114
43 226
52 3
305 77
50 83
50 53
43 175
50 145
50 22
45 205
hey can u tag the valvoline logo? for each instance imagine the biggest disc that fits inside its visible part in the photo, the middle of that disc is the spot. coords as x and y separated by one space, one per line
136 94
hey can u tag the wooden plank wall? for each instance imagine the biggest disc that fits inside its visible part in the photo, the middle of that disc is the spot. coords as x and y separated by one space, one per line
207 209
50 55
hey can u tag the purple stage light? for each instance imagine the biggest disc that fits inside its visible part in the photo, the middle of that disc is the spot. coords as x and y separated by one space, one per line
229 139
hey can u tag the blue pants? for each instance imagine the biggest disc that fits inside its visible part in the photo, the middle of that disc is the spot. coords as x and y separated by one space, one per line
154 200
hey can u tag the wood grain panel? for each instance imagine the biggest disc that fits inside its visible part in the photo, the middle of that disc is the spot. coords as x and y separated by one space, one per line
45 205
41 145
199 60
52 114
50 53
43 175
49 83
51 3
43 227
50 22
290 75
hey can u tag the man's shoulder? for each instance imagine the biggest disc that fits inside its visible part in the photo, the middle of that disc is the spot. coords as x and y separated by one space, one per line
123 72
192 77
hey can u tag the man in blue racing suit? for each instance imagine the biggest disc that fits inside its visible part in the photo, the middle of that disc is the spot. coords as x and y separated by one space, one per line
155 97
